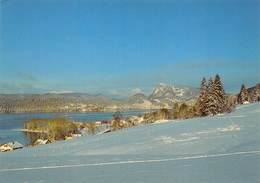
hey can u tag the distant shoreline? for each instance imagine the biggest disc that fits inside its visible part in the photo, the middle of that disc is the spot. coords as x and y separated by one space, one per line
25 130
66 112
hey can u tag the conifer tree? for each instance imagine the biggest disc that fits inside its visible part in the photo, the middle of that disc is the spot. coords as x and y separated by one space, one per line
219 97
203 98
210 84
256 93
203 86
243 96
210 103
212 99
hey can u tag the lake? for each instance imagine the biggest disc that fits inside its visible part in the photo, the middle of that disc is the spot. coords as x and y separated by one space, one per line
11 124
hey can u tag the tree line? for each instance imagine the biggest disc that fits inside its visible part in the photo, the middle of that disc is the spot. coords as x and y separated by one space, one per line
57 128
211 101
248 95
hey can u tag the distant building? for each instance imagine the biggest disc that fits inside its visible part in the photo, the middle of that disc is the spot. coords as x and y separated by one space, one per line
68 138
10 146
98 122
76 135
42 142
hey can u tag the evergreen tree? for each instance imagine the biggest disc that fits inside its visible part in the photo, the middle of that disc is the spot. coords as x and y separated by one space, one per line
243 96
256 93
210 84
203 86
212 99
218 97
202 101
210 103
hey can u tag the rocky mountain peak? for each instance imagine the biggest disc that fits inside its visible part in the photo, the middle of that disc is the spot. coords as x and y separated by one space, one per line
166 94
162 90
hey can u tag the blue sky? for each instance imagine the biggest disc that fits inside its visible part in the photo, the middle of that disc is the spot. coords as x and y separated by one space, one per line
120 48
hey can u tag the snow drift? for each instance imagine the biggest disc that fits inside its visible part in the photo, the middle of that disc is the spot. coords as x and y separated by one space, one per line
222 148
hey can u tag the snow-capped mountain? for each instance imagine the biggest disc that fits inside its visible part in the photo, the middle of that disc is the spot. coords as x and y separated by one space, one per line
166 95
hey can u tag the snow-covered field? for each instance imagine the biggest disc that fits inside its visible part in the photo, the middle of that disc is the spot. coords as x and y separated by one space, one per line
220 149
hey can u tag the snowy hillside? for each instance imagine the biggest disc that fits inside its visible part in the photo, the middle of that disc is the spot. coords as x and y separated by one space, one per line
219 149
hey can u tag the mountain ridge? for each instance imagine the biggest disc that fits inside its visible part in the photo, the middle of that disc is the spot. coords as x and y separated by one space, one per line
164 95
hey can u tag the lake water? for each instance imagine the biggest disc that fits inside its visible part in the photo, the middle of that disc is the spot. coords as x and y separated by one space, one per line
11 124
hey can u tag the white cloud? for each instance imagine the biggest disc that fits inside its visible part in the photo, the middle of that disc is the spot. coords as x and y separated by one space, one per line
115 93
124 92
136 91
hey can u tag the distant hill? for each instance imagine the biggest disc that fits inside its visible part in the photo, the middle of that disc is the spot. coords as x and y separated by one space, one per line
138 101
53 102
164 95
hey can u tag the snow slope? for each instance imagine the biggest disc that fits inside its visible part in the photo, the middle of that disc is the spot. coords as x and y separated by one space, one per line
224 148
